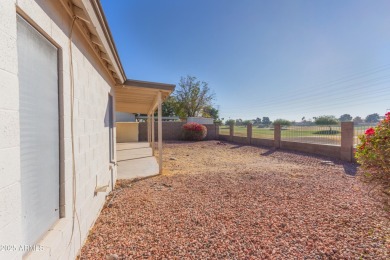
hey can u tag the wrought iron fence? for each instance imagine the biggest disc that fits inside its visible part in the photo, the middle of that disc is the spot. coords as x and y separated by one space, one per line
329 135
263 132
224 130
359 130
240 131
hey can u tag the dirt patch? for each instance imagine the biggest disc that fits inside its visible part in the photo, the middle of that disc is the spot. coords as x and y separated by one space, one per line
233 202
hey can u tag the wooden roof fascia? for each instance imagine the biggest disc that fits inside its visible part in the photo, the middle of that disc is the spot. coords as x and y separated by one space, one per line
76 8
149 85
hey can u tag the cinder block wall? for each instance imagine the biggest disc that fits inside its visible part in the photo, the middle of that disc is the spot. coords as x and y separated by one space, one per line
172 131
92 86
344 151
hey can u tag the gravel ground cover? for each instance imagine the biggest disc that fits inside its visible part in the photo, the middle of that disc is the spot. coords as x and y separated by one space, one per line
224 201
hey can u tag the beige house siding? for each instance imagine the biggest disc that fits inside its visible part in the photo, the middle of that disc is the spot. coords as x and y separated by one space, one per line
173 131
93 84
126 132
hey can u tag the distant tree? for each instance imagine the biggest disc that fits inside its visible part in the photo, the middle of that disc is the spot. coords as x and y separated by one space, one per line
358 120
303 119
266 121
257 121
169 107
192 96
246 122
372 118
326 120
283 122
218 121
345 118
239 121
230 122
209 111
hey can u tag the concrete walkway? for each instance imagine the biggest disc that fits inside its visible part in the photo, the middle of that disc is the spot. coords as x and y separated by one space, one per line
135 160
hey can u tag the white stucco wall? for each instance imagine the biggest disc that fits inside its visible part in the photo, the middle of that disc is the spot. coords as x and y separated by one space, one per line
92 86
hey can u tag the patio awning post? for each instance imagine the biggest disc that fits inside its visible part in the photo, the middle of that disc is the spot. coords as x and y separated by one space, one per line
159 132
148 128
152 126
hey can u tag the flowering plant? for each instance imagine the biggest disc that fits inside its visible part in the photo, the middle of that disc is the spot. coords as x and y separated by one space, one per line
194 132
373 152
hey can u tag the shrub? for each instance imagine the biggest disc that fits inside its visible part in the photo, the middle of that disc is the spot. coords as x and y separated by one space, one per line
373 152
194 132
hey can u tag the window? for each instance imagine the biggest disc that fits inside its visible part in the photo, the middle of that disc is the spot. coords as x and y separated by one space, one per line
39 131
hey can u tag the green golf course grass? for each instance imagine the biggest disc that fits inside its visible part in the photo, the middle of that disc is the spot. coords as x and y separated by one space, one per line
295 132
269 132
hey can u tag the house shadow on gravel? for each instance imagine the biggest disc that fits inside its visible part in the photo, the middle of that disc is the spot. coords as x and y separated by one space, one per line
269 152
237 146
350 168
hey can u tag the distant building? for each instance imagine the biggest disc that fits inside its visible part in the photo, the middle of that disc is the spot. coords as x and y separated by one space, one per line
201 120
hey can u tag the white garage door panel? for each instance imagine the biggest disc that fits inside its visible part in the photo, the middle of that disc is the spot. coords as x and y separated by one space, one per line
39 133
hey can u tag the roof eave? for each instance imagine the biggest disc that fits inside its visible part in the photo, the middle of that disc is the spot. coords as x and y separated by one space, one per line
149 85
93 26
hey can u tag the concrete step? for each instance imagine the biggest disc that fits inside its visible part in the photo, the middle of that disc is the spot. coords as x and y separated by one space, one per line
134 145
131 154
137 168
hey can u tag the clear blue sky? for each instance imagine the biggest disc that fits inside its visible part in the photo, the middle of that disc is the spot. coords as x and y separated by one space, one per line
276 58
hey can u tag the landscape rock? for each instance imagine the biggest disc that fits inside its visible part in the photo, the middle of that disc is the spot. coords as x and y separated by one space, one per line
237 204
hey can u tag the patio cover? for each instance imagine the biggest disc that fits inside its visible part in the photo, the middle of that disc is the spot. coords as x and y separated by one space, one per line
141 97
135 96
